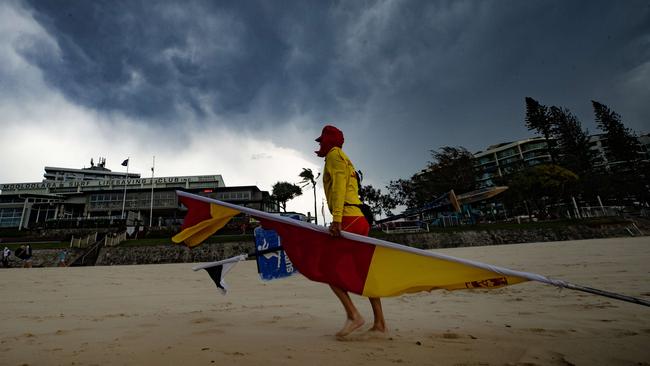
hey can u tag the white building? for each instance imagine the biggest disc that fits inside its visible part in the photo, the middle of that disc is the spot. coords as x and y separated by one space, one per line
98 194
507 158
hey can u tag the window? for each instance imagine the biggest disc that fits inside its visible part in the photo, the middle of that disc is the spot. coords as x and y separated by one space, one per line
508 152
10 217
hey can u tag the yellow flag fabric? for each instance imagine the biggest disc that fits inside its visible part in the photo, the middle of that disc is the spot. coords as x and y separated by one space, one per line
393 272
202 220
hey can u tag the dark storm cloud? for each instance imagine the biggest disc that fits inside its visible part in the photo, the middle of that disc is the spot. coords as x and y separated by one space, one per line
153 59
420 74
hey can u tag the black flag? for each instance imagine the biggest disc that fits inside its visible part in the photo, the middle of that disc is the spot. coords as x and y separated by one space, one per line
218 270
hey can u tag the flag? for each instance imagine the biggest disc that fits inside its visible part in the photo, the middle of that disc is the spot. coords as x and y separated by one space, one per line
359 267
125 162
377 271
218 270
202 220
360 264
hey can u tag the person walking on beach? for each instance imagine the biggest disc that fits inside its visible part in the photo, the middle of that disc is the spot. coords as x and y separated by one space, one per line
28 256
341 185
6 253
62 256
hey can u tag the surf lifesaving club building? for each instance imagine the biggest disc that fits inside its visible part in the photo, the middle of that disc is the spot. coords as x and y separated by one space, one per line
77 197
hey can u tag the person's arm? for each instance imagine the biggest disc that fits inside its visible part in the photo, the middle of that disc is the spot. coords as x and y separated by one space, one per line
338 172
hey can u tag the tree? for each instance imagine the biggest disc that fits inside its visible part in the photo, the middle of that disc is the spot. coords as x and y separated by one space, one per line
403 192
451 168
622 145
572 141
285 191
308 178
538 119
542 185
378 202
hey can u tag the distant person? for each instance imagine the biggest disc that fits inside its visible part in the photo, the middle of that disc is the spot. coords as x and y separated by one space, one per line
341 184
6 253
28 256
62 258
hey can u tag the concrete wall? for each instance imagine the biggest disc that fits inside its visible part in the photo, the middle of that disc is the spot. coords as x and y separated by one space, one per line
496 237
172 253
214 252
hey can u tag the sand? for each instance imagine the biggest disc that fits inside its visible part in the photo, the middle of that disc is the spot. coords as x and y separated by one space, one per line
170 315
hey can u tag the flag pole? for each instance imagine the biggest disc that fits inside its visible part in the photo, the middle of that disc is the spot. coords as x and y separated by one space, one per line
153 165
386 244
126 176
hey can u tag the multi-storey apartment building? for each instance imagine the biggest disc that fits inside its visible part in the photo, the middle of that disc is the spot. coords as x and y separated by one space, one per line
504 159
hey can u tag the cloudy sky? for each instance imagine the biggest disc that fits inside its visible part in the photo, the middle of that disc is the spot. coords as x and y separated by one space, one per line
241 88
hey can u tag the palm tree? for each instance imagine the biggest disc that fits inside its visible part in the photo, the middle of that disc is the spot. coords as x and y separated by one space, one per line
307 176
283 192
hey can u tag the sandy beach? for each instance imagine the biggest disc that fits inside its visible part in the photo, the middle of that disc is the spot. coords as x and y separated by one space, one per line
170 315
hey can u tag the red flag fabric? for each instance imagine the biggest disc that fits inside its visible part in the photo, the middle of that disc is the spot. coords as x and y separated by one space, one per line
316 255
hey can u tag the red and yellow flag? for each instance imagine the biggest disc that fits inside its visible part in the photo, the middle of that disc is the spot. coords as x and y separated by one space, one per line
377 271
359 267
202 220
359 264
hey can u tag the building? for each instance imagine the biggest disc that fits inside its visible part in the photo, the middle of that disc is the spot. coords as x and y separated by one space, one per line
95 172
507 158
78 197
644 139
598 145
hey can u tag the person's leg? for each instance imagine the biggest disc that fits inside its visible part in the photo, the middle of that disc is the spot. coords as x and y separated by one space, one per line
353 319
380 324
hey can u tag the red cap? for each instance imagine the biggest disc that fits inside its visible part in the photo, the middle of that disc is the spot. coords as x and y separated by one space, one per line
331 131
330 137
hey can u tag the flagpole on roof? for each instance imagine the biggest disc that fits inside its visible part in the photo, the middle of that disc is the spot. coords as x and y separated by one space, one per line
153 165
126 176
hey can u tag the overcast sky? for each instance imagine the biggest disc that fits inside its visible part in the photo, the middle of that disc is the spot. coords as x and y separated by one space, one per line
242 88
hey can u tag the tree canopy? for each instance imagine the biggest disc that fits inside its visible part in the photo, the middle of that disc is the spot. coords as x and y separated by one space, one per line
542 185
378 202
451 168
308 178
538 119
622 145
572 140
285 191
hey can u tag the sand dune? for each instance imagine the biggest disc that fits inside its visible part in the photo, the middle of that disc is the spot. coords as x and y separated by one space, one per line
169 315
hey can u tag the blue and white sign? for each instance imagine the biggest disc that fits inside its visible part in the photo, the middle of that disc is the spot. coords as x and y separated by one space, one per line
271 265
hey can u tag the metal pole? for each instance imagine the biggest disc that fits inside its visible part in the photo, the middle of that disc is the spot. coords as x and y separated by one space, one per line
601 205
527 211
315 208
575 206
125 178
153 165
22 215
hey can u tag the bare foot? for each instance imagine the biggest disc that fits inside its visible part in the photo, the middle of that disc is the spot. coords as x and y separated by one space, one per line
374 333
350 326
378 329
